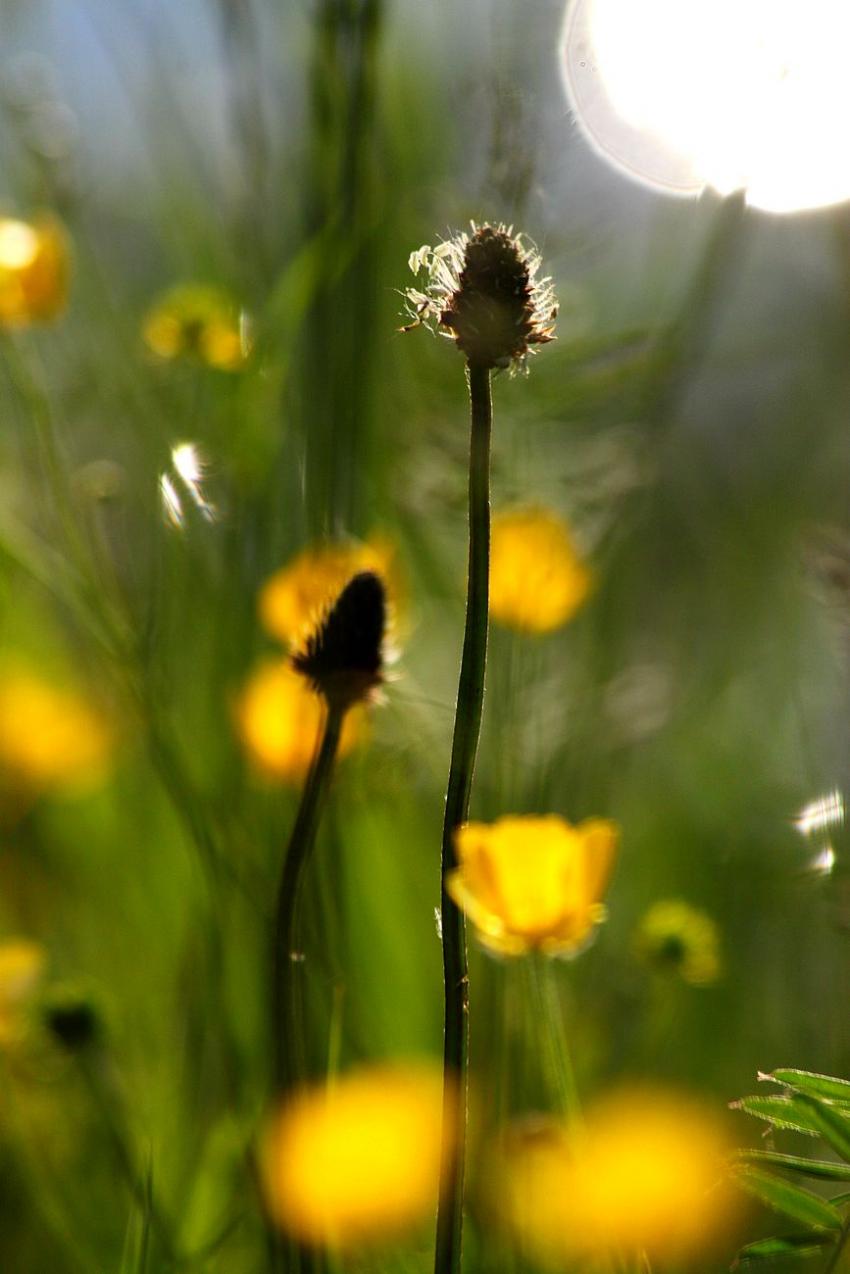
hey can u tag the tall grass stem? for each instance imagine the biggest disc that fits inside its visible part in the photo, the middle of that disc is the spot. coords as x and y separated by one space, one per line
285 1014
470 698
548 1016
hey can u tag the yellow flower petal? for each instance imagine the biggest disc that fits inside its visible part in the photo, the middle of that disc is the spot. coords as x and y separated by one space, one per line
537 579
533 882
647 1174
294 598
279 717
49 737
34 270
196 320
22 968
357 1162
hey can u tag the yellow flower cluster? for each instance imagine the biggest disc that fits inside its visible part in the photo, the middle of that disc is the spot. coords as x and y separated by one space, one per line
674 937
357 1161
34 270
533 883
537 578
645 1174
50 738
22 968
198 321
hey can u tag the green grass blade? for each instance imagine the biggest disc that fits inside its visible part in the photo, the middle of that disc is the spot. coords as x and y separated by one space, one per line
782 1112
831 1123
825 1087
823 1168
784 1247
791 1200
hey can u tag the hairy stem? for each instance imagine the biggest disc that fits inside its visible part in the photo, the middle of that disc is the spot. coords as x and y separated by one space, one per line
467 727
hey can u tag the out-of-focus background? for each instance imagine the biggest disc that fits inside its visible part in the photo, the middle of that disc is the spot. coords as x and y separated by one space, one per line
690 424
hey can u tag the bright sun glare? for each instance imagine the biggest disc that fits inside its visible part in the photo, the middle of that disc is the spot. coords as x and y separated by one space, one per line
684 94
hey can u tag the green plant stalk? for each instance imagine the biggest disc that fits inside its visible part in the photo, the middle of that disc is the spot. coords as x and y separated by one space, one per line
467 727
546 1009
285 1014
834 1260
287 1256
114 1124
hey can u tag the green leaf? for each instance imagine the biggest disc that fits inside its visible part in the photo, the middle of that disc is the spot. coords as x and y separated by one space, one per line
782 1112
830 1122
823 1086
797 1163
791 1200
794 1246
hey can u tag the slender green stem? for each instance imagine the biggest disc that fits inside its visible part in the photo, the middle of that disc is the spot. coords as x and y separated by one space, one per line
288 1257
285 958
111 1114
470 698
556 1054
838 1251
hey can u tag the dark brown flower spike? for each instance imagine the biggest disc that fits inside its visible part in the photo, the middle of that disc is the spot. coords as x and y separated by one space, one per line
482 291
342 657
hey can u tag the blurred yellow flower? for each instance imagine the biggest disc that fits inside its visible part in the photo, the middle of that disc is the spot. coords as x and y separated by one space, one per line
674 937
49 737
22 967
197 321
529 882
278 718
537 578
292 601
645 1174
34 270
358 1161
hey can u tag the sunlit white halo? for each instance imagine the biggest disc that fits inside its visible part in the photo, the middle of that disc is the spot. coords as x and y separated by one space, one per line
684 94
172 505
189 467
821 814
823 862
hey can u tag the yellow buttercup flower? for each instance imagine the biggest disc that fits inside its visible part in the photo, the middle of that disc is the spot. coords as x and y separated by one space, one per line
533 883
22 967
294 599
279 717
645 1174
674 937
34 270
198 321
537 578
49 737
358 1161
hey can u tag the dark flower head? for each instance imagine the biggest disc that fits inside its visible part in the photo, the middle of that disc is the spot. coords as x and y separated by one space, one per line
483 293
674 937
72 1019
342 657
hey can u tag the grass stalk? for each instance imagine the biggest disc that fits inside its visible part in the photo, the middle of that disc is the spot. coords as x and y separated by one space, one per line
470 698
287 1256
138 1184
285 1009
837 1256
546 1012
